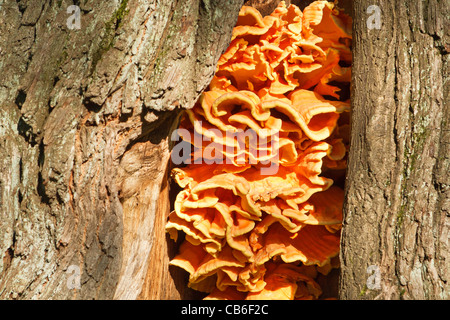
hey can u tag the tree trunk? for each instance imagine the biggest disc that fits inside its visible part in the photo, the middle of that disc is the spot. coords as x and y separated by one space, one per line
86 113
87 107
395 233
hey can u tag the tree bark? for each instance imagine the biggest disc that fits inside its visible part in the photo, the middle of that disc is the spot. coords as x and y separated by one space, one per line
86 116
396 223
85 120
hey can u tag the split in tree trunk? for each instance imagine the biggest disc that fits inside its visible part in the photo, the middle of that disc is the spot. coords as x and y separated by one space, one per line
85 120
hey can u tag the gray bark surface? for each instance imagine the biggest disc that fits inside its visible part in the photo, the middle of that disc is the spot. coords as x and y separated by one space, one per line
397 208
85 117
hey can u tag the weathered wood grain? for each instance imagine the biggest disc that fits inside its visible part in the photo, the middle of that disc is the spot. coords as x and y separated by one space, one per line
85 116
397 212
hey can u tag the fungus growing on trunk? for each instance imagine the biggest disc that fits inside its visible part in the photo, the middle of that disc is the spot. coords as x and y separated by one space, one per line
274 102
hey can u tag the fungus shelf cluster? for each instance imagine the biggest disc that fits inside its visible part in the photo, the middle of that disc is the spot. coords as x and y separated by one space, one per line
249 234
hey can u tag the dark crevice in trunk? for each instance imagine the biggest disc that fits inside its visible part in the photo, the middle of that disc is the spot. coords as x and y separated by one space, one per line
92 106
26 131
41 190
20 99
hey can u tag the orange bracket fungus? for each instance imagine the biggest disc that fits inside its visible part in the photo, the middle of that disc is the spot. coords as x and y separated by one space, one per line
264 154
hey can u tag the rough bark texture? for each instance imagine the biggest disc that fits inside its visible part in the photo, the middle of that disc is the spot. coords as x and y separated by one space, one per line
398 190
85 117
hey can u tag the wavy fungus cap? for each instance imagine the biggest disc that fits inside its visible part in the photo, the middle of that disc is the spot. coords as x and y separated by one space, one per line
275 99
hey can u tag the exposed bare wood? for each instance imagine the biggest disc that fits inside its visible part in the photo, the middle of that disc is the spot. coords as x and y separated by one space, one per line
85 118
